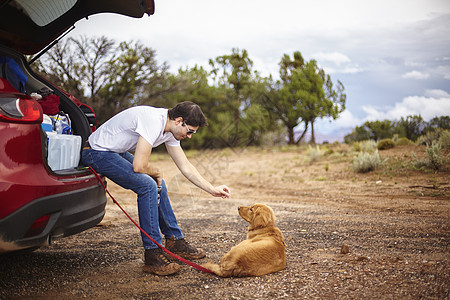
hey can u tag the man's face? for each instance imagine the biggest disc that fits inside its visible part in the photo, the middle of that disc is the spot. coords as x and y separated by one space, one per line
184 130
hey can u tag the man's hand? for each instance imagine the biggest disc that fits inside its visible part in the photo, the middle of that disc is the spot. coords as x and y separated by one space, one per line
157 176
222 191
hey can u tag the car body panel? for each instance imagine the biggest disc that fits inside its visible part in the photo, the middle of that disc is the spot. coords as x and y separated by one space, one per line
63 218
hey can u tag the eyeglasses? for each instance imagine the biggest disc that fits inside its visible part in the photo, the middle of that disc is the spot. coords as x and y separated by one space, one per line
189 131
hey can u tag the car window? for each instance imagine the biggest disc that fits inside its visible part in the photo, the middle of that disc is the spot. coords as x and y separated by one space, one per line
43 12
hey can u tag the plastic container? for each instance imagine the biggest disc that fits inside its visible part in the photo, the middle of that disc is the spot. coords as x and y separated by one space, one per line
61 123
63 151
47 124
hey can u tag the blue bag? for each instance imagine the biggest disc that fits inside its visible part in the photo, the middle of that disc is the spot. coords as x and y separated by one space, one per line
11 71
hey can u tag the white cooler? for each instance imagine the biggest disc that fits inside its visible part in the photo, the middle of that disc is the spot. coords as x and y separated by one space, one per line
63 151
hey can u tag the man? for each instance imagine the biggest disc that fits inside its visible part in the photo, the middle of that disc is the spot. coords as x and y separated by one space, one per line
140 129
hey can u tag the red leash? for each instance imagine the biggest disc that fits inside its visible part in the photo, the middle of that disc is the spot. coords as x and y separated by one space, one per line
194 265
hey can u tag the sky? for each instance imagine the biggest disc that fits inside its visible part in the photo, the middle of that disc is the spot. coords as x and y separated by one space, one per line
393 57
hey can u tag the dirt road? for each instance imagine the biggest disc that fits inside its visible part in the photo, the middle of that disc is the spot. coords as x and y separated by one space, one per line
395 222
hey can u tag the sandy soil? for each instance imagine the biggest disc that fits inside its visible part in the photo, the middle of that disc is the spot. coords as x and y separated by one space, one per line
394 220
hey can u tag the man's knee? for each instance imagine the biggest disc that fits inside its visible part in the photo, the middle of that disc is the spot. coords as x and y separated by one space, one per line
144 184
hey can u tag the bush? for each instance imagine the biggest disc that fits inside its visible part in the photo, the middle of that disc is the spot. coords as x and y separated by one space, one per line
314 154
385 144
444 140
327 151
403 142
368 146
434 159
356 147
429 137
365 162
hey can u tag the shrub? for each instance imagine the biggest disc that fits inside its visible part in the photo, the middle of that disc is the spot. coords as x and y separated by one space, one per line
314 154
385 144
368 146
429 137
433 160
365 162
444 140
356 147
327 151
403 142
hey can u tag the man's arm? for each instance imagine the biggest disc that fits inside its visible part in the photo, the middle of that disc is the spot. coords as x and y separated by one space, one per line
141 161
192 174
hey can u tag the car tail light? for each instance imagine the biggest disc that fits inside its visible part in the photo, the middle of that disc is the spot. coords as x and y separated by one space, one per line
38 226
20 110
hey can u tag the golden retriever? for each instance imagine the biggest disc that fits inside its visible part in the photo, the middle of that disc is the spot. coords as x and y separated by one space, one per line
263 251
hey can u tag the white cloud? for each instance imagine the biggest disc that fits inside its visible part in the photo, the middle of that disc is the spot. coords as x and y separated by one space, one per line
414 64
434 103
341 63
351 70
373 113
416 75
346 121
437 94
335 57
443 71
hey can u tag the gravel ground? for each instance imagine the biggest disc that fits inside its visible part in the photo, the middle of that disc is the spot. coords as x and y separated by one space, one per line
398 244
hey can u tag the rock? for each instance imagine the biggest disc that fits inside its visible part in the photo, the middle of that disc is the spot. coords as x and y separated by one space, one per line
345 249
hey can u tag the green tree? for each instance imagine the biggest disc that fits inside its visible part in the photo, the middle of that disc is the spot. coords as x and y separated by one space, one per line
304 94
381 129
192 84
411 127
442 122
373 130
360 133
233 74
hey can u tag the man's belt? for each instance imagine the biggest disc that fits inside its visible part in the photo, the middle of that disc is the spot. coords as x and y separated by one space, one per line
86 146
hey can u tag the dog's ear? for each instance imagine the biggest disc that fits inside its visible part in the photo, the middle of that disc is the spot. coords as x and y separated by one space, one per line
263 216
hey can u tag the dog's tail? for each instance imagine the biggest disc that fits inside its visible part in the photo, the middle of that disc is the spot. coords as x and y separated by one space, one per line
217 269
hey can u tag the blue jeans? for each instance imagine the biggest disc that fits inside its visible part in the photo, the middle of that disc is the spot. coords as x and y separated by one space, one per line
153 217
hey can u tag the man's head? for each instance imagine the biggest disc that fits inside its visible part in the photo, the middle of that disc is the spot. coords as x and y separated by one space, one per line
190 112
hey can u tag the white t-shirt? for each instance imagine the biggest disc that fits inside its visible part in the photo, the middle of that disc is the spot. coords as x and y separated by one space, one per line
121 133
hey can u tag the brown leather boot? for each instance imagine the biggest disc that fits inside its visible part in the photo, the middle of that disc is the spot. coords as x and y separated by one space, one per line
156 262
183 249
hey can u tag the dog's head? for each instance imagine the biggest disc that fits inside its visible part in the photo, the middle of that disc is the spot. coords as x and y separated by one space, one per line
258 215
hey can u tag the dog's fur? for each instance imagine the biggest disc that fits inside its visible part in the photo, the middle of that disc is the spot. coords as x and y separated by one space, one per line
263 251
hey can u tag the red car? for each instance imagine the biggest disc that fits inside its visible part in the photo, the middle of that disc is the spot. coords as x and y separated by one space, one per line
38 200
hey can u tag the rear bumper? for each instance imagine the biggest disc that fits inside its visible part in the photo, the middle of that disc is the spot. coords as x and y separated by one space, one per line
69 213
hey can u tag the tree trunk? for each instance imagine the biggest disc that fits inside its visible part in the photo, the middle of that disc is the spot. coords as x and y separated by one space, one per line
313 138
236 141
291 136
303 134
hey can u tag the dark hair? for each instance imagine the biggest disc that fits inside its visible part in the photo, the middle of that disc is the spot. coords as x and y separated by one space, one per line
190 112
